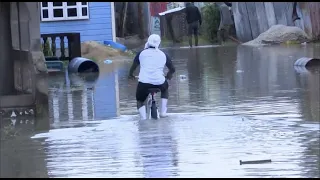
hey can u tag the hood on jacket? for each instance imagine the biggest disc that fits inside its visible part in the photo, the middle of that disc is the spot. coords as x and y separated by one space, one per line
154 40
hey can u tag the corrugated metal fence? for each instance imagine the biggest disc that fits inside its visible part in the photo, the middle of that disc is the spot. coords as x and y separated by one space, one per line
253 18
179 26
309 13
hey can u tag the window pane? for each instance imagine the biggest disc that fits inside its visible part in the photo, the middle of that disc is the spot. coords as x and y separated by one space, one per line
84 3
72 12
44 4
57 13
71 3
84 11
45 13
57 3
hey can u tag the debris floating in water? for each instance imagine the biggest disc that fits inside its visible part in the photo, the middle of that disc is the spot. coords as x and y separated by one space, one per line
255 162
183 77
107 61
239 71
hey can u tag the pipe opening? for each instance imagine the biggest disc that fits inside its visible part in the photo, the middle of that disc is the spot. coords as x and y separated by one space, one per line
88 66
82 65
313 63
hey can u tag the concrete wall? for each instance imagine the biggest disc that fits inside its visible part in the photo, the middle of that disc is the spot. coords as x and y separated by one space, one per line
253 18
22 63
97 28
20 34
6 64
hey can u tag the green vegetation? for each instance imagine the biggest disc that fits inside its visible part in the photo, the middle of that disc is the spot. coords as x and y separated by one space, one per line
46 48
208 30
65 63
211 21
130 53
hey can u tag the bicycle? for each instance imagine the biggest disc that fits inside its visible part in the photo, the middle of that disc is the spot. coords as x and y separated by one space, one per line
151 105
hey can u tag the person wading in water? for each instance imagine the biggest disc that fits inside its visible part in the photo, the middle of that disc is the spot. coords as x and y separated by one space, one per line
194 20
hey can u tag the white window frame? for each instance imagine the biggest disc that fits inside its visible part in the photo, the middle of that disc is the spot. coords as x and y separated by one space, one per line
65 8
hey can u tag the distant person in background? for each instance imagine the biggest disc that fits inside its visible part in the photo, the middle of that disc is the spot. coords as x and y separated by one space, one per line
194 20
226 22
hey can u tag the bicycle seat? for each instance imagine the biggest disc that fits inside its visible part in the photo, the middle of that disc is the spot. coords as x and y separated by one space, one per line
153 90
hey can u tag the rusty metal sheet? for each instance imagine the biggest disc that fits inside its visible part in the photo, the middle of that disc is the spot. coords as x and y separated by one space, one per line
280 12
304 13
271 17
315 19
253 19
248 18
289 13
241 20
261 16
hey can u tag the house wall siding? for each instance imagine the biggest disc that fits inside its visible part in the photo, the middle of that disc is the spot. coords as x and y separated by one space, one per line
97 28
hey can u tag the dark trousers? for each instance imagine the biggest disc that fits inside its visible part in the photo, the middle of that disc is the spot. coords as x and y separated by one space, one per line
193 28
223 34
143 90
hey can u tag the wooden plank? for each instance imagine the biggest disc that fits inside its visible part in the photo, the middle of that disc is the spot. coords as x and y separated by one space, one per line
57 35
54 70
55 65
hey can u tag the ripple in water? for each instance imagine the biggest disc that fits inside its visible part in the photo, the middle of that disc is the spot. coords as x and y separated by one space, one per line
198 145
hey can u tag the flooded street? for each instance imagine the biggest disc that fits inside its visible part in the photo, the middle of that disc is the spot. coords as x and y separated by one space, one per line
226 104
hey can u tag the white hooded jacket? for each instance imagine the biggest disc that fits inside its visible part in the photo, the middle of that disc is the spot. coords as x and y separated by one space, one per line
152 62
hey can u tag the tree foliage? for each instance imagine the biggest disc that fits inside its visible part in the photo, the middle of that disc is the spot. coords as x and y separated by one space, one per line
211 21
46 48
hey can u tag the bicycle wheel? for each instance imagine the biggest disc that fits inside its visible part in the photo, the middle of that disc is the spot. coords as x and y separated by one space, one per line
154 112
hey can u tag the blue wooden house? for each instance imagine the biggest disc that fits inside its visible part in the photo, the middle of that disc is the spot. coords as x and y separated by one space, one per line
95 21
